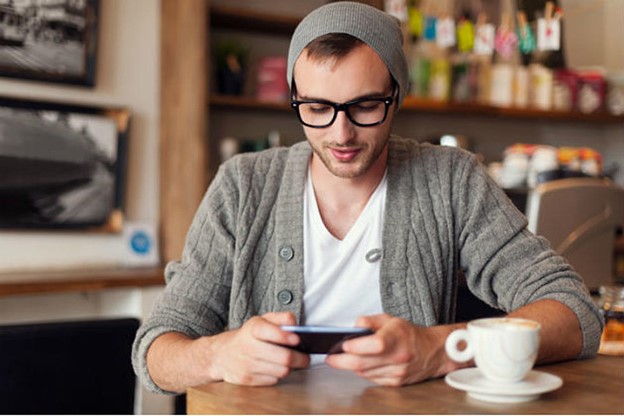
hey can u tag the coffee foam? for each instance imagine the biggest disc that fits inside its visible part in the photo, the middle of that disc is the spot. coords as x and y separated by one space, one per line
511 324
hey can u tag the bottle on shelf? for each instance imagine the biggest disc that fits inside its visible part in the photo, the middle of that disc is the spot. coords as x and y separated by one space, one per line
611 305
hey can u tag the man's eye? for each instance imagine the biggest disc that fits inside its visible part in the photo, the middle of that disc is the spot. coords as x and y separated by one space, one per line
319 108
365 106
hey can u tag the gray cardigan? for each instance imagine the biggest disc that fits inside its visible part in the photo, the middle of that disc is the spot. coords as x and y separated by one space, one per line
244 250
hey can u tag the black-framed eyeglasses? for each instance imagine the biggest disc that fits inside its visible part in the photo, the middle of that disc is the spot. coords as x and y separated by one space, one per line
363 112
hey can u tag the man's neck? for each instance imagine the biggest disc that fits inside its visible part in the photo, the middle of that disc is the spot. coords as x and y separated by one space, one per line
341 200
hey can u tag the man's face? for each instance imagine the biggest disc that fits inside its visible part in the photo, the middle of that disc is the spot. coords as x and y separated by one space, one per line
346 150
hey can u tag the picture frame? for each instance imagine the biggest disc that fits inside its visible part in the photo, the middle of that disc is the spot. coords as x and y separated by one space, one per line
49 41
62 166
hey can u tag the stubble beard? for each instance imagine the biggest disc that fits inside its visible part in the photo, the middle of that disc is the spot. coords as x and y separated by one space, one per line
353 169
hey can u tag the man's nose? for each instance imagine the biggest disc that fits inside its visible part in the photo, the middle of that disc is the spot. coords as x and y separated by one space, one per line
344 129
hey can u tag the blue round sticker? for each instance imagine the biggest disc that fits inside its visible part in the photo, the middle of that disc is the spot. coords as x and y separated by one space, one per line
140 242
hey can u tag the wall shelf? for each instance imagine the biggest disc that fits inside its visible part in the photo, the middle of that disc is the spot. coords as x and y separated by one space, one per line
223 17
246 103
413 104
238 19
78 280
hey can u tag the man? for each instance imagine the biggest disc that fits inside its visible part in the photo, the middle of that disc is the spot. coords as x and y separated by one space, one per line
354 227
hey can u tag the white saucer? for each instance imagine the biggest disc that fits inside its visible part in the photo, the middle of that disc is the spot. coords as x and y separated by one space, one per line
476 385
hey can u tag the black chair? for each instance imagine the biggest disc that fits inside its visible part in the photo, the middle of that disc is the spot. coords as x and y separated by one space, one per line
80 367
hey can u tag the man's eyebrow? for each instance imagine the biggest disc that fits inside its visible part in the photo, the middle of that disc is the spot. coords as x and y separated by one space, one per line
359 97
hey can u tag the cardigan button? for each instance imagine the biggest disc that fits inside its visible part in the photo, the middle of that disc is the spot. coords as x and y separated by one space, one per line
285 297
286 253
373 255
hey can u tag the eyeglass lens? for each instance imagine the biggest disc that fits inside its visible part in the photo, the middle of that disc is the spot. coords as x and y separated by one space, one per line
367 112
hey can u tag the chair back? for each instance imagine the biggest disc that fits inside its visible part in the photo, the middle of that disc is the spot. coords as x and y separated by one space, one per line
580 216
67 367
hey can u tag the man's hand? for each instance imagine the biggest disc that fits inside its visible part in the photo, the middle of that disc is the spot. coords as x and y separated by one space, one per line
403 353
249 355
398 353
253 354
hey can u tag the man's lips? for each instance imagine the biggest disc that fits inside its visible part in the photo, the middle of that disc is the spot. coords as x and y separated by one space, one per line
344 155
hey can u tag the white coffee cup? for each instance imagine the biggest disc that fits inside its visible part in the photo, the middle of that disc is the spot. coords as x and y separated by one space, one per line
504 349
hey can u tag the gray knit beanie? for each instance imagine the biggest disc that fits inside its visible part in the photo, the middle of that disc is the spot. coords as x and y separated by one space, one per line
379 30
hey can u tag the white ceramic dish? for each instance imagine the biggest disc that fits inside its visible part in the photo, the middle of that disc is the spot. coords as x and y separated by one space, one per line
477 386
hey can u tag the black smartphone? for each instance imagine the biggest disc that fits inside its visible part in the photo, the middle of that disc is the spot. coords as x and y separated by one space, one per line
324 339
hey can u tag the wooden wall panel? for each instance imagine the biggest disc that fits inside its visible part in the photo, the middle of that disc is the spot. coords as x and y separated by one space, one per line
183 118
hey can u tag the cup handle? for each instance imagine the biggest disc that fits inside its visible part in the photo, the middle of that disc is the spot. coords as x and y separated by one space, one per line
451 346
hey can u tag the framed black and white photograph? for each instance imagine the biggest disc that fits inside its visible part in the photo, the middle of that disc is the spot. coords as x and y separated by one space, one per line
49 40
62 166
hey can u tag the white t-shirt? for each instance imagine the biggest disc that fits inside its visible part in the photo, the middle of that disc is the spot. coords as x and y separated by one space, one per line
342 276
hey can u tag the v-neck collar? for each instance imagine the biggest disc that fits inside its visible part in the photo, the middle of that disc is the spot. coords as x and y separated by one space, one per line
360 223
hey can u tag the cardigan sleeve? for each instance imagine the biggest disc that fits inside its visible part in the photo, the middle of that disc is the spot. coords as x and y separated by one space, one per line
506 265
228 261
196 298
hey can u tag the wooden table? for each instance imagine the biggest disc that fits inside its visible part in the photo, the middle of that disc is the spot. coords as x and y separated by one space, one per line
594 386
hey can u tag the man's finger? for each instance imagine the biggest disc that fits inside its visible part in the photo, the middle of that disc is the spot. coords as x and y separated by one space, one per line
373 322
268 330
280 318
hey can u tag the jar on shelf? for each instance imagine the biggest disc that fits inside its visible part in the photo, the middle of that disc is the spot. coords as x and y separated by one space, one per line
611 303
615 97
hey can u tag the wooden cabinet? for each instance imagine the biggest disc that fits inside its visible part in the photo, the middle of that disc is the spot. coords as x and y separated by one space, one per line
420 119
260 35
